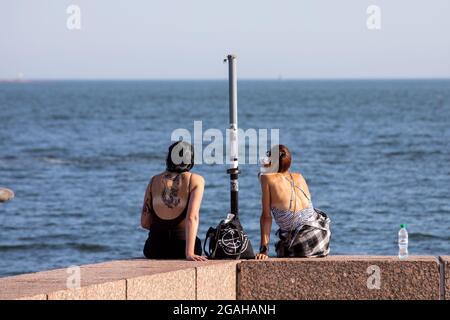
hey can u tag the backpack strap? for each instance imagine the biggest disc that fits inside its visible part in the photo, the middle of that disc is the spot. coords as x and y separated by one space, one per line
209 235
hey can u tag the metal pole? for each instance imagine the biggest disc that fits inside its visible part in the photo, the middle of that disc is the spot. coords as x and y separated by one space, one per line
232 78
233 171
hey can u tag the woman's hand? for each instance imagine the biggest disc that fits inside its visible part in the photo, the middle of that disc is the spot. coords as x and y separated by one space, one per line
194 257
261 256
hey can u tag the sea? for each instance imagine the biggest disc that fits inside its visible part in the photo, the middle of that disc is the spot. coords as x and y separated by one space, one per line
79 156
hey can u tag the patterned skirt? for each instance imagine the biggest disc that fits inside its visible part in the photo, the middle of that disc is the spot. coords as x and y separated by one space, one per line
311 239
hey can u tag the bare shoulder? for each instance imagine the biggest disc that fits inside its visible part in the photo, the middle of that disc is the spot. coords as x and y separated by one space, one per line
268 178
197 180
157 176
152 180
298 177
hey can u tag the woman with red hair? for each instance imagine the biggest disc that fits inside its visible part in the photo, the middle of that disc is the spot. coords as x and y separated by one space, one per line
303 230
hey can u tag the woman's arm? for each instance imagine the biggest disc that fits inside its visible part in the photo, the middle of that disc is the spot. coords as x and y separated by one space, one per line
146 220
266 217
192 218
304 185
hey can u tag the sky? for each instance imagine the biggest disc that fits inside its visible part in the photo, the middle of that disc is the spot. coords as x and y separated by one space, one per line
188 39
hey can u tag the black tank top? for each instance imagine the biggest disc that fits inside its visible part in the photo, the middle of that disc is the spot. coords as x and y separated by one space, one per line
168 224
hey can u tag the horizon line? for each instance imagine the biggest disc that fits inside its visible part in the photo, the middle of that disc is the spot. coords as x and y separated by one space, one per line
25 80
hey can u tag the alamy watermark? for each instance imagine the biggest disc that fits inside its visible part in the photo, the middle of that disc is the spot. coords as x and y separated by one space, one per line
374 279
220 147
73 21
373 21
74 277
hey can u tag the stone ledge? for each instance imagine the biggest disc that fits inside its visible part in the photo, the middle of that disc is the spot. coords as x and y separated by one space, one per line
132 279
445 277
115 290
174 285
217 281
339 277
335 277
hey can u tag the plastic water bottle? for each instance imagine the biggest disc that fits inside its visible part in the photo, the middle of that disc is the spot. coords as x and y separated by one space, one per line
403 242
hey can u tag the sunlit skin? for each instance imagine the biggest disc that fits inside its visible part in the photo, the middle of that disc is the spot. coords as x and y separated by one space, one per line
188 225
276 193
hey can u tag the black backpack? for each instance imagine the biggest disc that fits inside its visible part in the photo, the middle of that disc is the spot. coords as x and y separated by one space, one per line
228 241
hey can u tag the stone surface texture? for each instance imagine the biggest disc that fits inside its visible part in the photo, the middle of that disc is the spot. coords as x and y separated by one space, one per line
132 279
335 277
445 260
340 277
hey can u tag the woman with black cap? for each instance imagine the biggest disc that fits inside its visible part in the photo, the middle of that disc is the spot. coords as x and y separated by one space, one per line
171 208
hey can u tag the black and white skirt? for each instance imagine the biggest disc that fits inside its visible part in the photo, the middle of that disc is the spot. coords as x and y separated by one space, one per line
311 239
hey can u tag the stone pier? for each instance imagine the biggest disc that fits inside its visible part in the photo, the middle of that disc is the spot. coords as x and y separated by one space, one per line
334 277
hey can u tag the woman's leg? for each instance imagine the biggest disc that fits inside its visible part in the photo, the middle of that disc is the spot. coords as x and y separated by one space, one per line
198 246
162 246
157 246
178 248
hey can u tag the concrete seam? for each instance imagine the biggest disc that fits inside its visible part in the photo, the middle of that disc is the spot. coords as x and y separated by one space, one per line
126 289
196 283
238 272
441 279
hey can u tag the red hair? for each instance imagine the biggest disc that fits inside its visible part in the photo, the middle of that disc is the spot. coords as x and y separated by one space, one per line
284 157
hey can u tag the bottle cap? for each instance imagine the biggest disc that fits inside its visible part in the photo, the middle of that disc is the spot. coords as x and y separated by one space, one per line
403 225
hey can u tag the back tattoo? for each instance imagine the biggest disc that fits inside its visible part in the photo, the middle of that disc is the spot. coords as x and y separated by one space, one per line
170 193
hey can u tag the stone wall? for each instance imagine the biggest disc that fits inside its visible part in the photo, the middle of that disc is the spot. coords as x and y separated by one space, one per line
127 279
340 278
335 277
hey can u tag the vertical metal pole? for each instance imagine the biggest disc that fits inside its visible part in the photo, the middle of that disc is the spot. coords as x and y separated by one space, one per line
232 78
233 133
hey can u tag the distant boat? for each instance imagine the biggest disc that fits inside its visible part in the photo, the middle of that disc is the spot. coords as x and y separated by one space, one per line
19 79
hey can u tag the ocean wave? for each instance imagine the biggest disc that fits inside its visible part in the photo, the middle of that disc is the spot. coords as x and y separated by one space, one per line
426 236
41 150
60 117
52 160
383 143
102 160
9 157
411 154
46 237
83 247
88 247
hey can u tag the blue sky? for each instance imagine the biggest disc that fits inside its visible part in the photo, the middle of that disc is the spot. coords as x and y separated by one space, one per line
187 39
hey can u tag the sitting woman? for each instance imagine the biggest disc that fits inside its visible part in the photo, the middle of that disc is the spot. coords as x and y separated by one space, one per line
304 231
171 208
